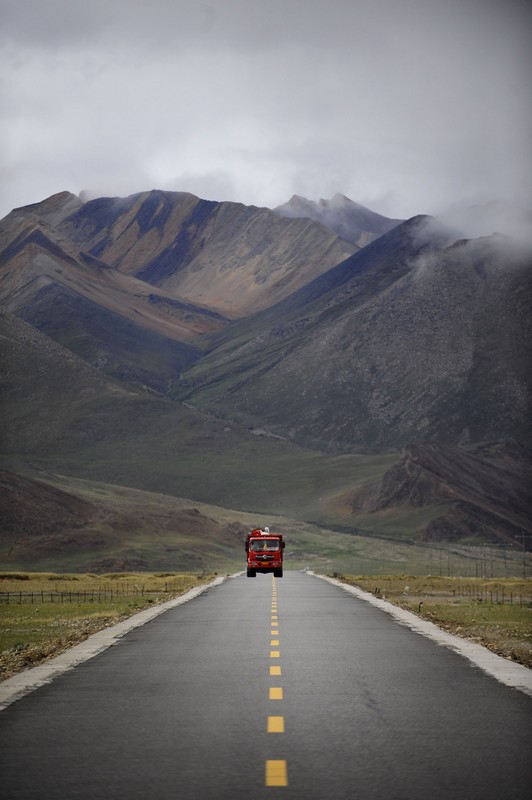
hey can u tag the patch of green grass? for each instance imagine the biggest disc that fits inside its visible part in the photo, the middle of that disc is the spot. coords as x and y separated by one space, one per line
399 521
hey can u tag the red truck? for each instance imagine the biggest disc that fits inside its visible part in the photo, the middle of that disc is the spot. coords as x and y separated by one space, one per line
264 552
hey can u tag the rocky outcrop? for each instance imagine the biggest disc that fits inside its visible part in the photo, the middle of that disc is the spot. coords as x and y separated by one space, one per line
483 492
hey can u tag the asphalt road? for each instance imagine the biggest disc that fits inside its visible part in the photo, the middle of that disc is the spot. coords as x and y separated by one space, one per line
287 687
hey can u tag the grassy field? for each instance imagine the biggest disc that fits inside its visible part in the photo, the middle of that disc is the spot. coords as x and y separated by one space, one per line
48 613
495 613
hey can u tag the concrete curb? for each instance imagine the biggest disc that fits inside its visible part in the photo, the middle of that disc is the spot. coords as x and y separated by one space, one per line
23 683
508 672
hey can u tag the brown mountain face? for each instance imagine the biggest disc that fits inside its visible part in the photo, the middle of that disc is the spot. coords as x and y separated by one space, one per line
43 523
130 329
232 258
134 284
29 508
35 256
484 491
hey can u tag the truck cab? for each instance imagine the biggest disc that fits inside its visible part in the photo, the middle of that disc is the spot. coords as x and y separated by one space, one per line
264 552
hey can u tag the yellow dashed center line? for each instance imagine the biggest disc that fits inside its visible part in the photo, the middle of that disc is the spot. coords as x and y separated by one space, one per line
276 773
275 725
275 770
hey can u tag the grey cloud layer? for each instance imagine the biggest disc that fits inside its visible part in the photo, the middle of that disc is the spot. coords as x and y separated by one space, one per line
407 106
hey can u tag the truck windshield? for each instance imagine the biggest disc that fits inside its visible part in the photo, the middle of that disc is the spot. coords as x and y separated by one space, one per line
264 544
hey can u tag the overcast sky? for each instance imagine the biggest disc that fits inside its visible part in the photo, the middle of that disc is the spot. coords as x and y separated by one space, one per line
405 106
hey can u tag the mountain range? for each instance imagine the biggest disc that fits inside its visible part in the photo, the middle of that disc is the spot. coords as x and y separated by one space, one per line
236 355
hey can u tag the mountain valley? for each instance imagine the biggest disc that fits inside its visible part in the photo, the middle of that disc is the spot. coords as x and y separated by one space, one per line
317 364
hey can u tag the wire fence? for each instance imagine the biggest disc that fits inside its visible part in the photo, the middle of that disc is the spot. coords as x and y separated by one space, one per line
100 595
497 595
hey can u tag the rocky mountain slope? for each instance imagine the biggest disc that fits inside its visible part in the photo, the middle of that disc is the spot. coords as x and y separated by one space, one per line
134 284
349 220
129 328
232 258
483 492
419 334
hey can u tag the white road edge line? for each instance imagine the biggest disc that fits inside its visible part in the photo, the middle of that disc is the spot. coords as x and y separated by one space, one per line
23 683
508 672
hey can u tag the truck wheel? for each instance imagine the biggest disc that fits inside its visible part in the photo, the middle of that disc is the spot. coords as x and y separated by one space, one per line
252 573
278 573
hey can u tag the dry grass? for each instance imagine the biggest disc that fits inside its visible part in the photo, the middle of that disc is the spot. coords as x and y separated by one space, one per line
32 632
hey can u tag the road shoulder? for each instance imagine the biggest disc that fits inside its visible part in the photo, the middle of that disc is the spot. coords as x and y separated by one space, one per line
507 672
27 681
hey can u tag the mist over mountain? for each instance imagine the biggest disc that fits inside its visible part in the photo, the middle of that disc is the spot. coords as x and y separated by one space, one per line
484 220
165 342
349 220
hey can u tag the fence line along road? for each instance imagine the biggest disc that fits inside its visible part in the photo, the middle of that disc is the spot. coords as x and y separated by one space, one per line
90 596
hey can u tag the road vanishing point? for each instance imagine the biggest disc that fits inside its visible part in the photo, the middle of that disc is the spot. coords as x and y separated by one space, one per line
287 688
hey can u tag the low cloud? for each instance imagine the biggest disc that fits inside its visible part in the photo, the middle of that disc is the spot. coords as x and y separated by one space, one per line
406 106
491 218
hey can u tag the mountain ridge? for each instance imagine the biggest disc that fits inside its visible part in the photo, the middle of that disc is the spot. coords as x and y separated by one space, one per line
228 256
348 219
